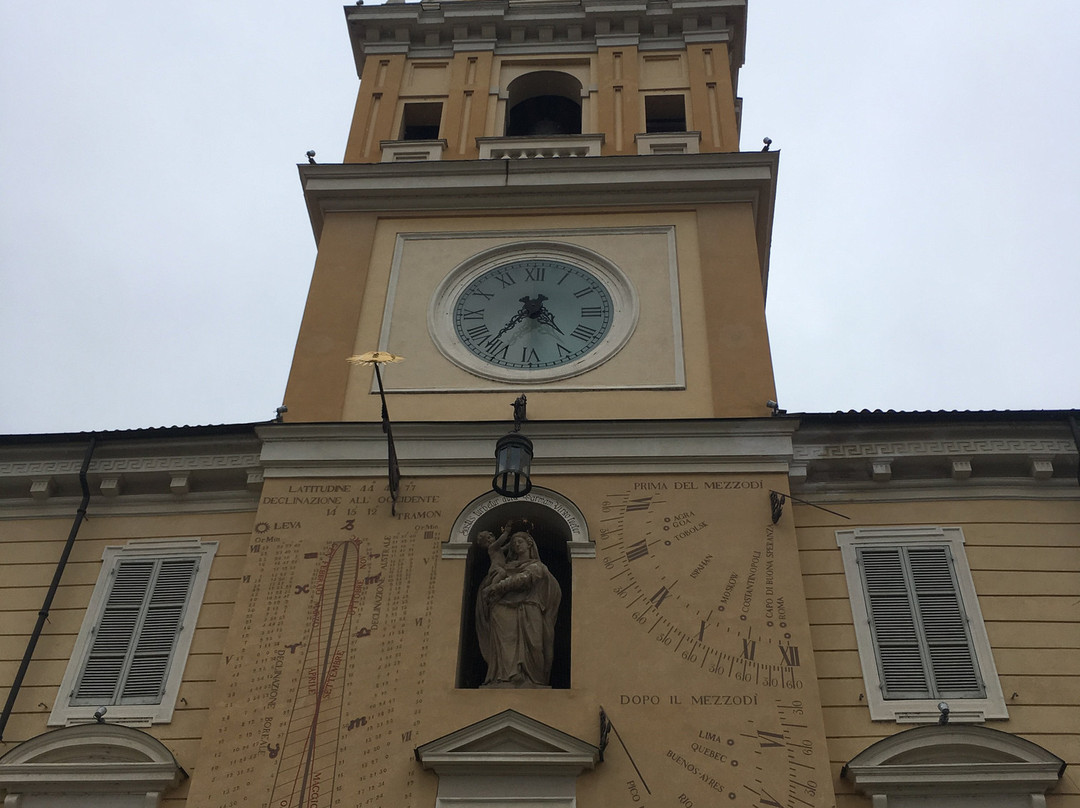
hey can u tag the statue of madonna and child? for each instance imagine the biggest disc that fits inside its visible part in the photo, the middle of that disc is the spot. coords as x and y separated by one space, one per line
516 607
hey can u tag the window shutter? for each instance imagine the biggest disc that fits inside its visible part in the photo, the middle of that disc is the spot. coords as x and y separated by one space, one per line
133 642
944 623
892 624
918 624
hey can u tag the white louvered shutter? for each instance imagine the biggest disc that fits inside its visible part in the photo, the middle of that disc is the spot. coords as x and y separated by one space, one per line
918 623
133 643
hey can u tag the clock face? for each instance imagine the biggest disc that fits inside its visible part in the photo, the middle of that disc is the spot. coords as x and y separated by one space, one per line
532 313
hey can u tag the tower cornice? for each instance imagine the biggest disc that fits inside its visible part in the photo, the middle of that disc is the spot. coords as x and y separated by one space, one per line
438 29
649 182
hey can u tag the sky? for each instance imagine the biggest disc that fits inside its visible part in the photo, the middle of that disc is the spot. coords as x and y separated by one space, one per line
155 250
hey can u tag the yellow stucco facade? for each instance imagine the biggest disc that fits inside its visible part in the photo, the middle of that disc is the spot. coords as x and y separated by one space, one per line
724 633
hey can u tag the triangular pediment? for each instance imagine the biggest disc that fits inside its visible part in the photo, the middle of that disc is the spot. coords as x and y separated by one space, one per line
506 743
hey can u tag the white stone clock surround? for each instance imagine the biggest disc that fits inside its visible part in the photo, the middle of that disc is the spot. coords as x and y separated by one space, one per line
624 308
652 357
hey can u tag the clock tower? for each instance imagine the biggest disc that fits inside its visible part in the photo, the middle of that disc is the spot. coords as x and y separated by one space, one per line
466 189
538 197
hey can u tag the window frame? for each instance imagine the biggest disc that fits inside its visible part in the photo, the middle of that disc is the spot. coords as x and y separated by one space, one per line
64 712
920 710
660 122
420 108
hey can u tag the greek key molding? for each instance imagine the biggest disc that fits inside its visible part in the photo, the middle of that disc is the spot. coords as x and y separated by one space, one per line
939 448
130 465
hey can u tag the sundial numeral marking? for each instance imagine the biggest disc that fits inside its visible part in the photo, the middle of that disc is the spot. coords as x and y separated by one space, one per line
768 740
768 799
638 549
701 632
639 504
469 314
749 648
790 654
660 596
535 273
583 333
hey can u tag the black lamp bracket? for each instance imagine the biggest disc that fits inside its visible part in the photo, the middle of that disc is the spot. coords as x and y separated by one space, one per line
519 412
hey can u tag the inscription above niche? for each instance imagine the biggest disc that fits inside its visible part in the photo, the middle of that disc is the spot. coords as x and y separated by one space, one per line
483 513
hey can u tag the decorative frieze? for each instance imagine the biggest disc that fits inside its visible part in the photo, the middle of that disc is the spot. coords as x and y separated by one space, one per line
123 472
831 454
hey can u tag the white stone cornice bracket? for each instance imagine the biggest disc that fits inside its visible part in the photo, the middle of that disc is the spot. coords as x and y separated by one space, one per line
881 471
1042 468
111 485
42 487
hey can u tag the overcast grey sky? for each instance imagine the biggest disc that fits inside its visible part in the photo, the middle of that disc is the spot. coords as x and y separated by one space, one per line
155 250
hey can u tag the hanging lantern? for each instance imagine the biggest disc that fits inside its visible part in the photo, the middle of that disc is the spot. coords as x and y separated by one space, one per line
513 461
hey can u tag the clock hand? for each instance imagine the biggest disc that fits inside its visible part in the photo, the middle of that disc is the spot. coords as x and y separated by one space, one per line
538 312
517 318
530 308
545 317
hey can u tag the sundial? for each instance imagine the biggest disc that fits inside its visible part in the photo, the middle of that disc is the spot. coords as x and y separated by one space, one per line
689 631
713 697
324 678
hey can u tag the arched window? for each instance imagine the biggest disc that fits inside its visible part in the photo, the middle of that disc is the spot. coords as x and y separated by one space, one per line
544 103
90 765
954 766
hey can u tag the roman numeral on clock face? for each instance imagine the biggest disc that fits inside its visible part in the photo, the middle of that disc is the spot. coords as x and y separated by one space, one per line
497 348
533 314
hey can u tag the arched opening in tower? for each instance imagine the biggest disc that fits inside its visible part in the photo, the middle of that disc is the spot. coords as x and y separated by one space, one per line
544 103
